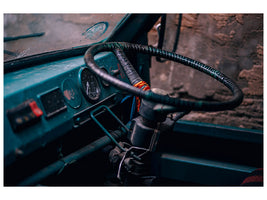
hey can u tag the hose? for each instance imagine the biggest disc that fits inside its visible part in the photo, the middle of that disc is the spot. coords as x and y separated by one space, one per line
180 104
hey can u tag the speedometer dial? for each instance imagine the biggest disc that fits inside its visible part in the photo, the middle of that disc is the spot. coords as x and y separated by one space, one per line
89 84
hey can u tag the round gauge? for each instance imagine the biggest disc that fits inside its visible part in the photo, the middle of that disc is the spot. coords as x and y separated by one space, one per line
71 93
89 84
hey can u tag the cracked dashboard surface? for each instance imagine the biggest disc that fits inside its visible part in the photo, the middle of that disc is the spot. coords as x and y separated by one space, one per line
46 101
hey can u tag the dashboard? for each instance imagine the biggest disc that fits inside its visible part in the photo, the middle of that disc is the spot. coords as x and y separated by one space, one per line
48 125
44 102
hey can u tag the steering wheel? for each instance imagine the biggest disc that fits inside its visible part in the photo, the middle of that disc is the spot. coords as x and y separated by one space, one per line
182 105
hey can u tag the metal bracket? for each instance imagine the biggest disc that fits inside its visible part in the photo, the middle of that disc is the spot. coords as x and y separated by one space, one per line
123 126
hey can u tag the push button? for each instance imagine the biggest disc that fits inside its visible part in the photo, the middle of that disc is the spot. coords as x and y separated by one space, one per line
24 115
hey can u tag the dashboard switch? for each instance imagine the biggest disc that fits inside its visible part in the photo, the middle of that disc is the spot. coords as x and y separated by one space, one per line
35 109
24 115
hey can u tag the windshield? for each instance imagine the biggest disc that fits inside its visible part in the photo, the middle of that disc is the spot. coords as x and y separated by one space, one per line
29 34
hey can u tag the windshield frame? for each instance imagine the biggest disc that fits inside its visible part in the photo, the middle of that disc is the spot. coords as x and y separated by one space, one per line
39 58
123 31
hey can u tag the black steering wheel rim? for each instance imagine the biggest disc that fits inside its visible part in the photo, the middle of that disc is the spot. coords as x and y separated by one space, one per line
180 104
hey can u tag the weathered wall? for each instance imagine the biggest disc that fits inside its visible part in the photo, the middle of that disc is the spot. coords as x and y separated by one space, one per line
231 43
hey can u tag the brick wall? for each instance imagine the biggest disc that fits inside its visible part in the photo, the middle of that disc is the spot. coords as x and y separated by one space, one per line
231 43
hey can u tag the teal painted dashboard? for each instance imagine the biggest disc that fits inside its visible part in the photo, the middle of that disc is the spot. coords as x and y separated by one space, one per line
58 92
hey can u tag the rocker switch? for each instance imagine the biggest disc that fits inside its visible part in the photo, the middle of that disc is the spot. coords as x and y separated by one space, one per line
35 109
24 115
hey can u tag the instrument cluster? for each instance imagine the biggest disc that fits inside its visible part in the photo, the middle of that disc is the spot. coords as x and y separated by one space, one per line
59 97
